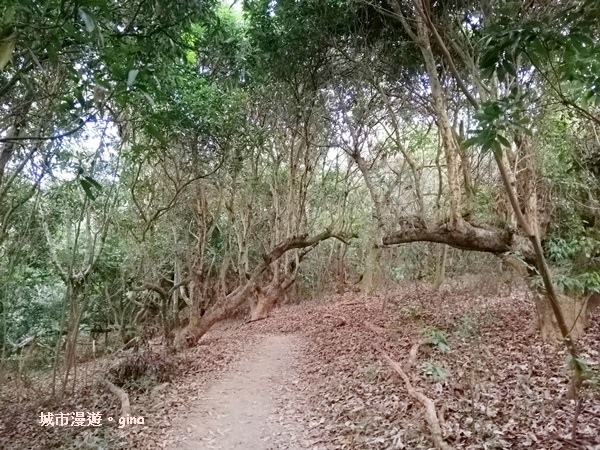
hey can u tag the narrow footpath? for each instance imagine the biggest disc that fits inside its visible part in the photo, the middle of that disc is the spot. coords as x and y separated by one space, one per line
249 406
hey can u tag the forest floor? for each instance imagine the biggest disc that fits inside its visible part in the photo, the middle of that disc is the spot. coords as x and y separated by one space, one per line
314 376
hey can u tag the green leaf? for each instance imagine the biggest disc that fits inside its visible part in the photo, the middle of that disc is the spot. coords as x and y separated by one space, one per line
487 145
489 59
9 14
155 133
578 362
481 116
103 83
433 370
509 67
90 186
87 187
88 20
148 97
94 3
79 97
443 347
6 50
131 76
492 110
497 147
521 128
503 140
93 183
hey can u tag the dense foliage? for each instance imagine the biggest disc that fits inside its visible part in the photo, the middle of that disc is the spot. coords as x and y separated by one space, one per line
151 153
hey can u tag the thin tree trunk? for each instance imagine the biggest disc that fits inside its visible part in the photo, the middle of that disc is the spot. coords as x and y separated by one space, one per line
371 268
72 332
544 270
440 271
447 133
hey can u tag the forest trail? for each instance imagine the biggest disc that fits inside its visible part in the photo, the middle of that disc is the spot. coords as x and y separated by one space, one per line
244 408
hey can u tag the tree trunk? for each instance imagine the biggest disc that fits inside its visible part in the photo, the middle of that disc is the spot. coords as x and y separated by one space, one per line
440 272
72 331
371 265
574 311
198 327
551 296
531 230
340 269
228 304
266 302
593 304
447 133
268 299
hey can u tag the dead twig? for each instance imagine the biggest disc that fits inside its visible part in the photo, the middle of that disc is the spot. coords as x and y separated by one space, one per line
255 320
431 413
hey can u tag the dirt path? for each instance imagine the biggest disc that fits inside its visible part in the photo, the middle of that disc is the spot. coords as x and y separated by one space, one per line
250 406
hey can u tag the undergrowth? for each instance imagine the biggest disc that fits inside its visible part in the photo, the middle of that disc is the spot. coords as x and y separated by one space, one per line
143 370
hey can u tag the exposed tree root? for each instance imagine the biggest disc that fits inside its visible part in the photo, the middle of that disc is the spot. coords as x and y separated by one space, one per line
431 413
413 354
122 395
131 343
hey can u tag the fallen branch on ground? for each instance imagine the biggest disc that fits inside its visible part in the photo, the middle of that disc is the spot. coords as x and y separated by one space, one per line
431 413
122 395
